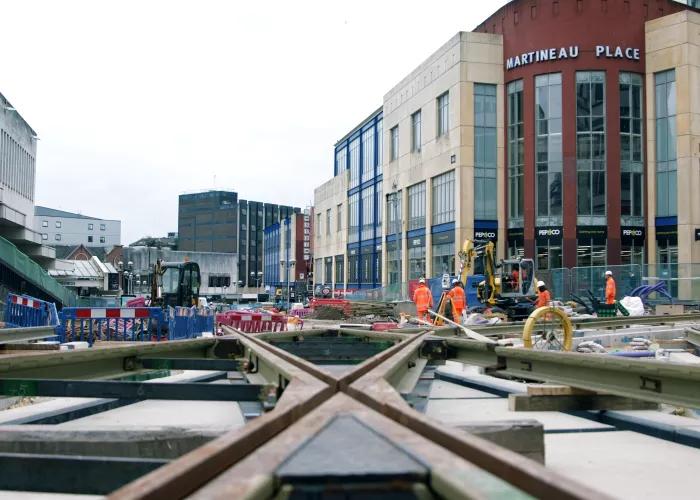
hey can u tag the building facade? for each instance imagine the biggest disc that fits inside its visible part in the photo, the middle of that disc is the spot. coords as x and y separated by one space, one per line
60 228
287 254
218 221
567 132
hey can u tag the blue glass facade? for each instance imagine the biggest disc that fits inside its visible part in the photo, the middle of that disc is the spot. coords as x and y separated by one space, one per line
272 255
361 154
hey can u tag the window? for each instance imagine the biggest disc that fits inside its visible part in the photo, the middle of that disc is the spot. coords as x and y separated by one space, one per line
355 163
415 132
549 255
102 239
416 262
317 229
329 269
368 213
378 266
379 203
341 160
444 198
443 114
353 263
393 259
44 223
44 236
380 146
590 146
632 254
666 137
395 143
366 274
57 237
340 269
591 253
90 227
102 227
393 209
354 212
340 217
368 154
58 224
416 206
328 221
443 259
318 269
89 239
485 152
631 152
548 155
516 155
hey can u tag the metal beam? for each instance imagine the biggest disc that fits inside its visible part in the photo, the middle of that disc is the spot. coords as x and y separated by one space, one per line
71 474
8 335
131 390
230 365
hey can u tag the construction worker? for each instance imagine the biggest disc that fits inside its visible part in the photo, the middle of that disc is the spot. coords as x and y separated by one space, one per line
423 299
610 289
543 296
458 299
515 278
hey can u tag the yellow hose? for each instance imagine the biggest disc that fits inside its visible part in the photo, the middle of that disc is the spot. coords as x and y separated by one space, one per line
563 319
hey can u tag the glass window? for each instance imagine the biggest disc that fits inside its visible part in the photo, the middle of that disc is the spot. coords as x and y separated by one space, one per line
90 226
366 274
57 237
328 221
354 209
516 155
548 149
632 254
340 217
443 114
444 198
443 259
395 143
58 224
44 236
355 163
368 213
378 267
89 239
394 207
368 154
416 206
485 152
353 263
102 239
590 146
379 203
416 131
341 160
666 139
393 263
339 269
318 269
416 262
329 269
591 253
45 223
318 226
380 146
549 255
631 149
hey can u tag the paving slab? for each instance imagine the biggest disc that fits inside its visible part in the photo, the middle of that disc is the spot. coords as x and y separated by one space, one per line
29 495
662 418
471 374
626 465
447 390
465 411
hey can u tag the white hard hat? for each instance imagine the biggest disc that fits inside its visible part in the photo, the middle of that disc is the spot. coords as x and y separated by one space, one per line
454 282
421 280
608 273
540 283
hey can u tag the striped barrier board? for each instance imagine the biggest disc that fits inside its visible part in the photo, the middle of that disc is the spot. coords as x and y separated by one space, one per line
112 324
121 312
22 311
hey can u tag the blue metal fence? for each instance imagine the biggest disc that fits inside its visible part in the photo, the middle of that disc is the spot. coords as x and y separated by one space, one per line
89 324
24 311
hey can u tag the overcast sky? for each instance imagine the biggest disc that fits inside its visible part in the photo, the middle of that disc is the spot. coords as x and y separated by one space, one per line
136 102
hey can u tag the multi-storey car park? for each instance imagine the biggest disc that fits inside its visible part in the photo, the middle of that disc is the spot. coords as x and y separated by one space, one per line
566 132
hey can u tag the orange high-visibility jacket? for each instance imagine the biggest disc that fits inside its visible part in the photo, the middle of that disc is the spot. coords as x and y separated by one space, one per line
458 298
543 299
610 291
423 298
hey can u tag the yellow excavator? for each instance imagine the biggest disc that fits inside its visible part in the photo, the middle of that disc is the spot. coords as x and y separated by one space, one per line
175 284
508 287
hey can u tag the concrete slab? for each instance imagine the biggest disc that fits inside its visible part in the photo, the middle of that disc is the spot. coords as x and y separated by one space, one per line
28 495
626 465
662 418
41 407
472 374
447 390
464 411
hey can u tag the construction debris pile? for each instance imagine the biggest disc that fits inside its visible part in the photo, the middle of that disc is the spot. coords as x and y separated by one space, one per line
327 313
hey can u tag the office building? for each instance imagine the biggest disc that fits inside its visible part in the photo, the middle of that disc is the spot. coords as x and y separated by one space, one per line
567 132
66 229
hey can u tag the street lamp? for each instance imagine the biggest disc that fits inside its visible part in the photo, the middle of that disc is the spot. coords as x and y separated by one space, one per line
289 266
138 282
257 277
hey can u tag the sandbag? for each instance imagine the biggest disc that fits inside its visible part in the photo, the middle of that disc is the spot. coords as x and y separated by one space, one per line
634 305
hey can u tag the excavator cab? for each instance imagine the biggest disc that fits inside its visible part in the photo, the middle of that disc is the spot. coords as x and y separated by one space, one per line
178 284
517 278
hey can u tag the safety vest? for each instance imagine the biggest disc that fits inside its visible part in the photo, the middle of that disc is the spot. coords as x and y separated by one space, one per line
543 299
423 298
459 299
610 291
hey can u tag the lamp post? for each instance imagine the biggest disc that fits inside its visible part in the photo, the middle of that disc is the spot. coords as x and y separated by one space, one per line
258 278
290 265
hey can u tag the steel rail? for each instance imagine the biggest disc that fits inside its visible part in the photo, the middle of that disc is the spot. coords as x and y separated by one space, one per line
8 335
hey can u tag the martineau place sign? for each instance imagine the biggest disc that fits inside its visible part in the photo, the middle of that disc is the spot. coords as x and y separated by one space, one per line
570 53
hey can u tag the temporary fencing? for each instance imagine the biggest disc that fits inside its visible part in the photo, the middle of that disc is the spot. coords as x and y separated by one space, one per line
91 324
24 311
253 322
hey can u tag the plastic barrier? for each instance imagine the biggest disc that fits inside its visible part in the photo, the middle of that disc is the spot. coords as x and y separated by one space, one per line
203 320
340 304
180 323
253 322
300 313
111 324
25 311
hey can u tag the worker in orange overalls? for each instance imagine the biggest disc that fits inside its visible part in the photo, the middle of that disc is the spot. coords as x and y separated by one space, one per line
458 299
610 289
423 299
543 297
515 278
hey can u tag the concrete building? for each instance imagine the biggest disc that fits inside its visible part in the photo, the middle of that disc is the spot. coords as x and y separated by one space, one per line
89 277
564 131
218 221
285 242
17 184
60 228
218 270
